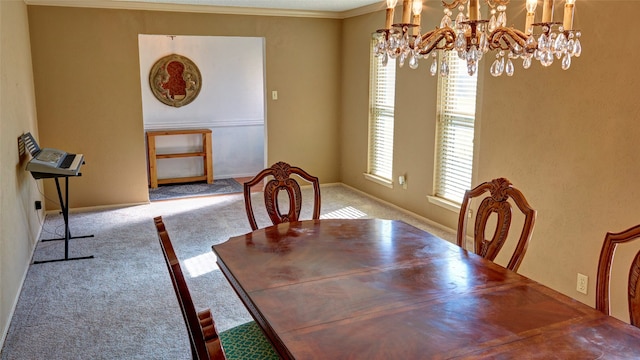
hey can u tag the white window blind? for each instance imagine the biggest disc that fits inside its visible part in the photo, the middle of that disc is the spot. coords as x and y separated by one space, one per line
456 117
381 113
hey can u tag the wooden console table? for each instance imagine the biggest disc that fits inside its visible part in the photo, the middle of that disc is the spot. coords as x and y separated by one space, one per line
205 153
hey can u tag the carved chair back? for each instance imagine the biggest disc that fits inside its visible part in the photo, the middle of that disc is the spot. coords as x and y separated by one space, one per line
611 241
281 180
495 195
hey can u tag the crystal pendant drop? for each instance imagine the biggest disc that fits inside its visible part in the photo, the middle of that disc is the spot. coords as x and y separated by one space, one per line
546 59
416 42
472 55
461 42
445 22
434 67
566 61
444 68
526 62
403 57
517 50
509 69
413 62
571 46
542 42
577 48
460 19
531 43
385 59
492 23
471 68
484 43
502 20
495 68
561 43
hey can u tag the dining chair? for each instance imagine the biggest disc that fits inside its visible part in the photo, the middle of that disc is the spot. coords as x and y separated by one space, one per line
246 341
611 242
494 198
280 179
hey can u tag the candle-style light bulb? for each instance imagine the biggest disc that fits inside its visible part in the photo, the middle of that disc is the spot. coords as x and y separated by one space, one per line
569 7
416 8
531 15
391 4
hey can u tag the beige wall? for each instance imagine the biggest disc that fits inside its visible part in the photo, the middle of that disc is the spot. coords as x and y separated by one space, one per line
88 91
19 222
567 139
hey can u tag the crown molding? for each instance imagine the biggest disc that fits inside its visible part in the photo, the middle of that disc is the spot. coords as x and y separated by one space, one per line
230 10
363 10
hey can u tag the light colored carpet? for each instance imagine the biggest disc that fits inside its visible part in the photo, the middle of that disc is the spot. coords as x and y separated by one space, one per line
121 304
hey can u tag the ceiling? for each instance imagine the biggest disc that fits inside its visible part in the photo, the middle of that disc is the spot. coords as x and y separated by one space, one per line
308 5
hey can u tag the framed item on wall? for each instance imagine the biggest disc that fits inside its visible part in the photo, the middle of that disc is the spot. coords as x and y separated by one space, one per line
175 80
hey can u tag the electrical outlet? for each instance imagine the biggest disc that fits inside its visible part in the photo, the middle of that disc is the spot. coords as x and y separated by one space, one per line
402 180
583 280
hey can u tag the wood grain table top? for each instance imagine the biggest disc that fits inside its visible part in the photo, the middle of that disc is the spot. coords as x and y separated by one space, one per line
383 289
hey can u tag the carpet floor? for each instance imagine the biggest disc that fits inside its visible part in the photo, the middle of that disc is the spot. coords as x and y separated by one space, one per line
121 304
180 191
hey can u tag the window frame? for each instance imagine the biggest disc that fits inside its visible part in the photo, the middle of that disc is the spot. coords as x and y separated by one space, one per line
381 116
455 130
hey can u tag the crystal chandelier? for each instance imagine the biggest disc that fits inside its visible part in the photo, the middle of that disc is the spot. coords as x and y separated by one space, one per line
472 37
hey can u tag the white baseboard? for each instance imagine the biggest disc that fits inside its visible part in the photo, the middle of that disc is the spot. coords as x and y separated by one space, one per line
396 207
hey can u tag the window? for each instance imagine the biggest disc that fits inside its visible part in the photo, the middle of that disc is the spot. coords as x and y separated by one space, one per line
455 129
381 112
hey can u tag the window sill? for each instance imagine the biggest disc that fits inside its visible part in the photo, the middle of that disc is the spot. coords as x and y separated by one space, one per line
379 180
447 204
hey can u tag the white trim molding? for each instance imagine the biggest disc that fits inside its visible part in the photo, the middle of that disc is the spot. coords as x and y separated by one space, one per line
210 9
378 180
447 204
203 124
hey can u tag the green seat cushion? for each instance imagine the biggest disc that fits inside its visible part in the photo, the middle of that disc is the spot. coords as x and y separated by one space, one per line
247 341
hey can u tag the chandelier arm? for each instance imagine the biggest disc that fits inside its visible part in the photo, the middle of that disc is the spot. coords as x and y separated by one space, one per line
504 34
454 4
494 3
429 41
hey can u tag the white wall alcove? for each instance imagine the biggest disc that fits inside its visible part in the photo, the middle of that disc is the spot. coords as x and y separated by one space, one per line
231 103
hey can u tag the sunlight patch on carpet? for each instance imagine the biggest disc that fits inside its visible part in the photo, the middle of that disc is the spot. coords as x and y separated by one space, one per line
348 212
201 264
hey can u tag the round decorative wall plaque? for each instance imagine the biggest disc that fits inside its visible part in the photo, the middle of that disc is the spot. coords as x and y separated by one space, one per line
175 80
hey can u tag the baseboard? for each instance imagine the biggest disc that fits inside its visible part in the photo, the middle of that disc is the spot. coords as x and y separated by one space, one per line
98 207
396 207
5 331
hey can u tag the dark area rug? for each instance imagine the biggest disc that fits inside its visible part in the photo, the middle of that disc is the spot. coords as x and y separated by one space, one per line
178 191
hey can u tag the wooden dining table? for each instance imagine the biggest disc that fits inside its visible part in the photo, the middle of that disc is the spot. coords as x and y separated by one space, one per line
383 289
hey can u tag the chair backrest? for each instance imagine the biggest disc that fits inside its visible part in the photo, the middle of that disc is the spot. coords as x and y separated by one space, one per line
203 336
496 202
605 263
281 180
